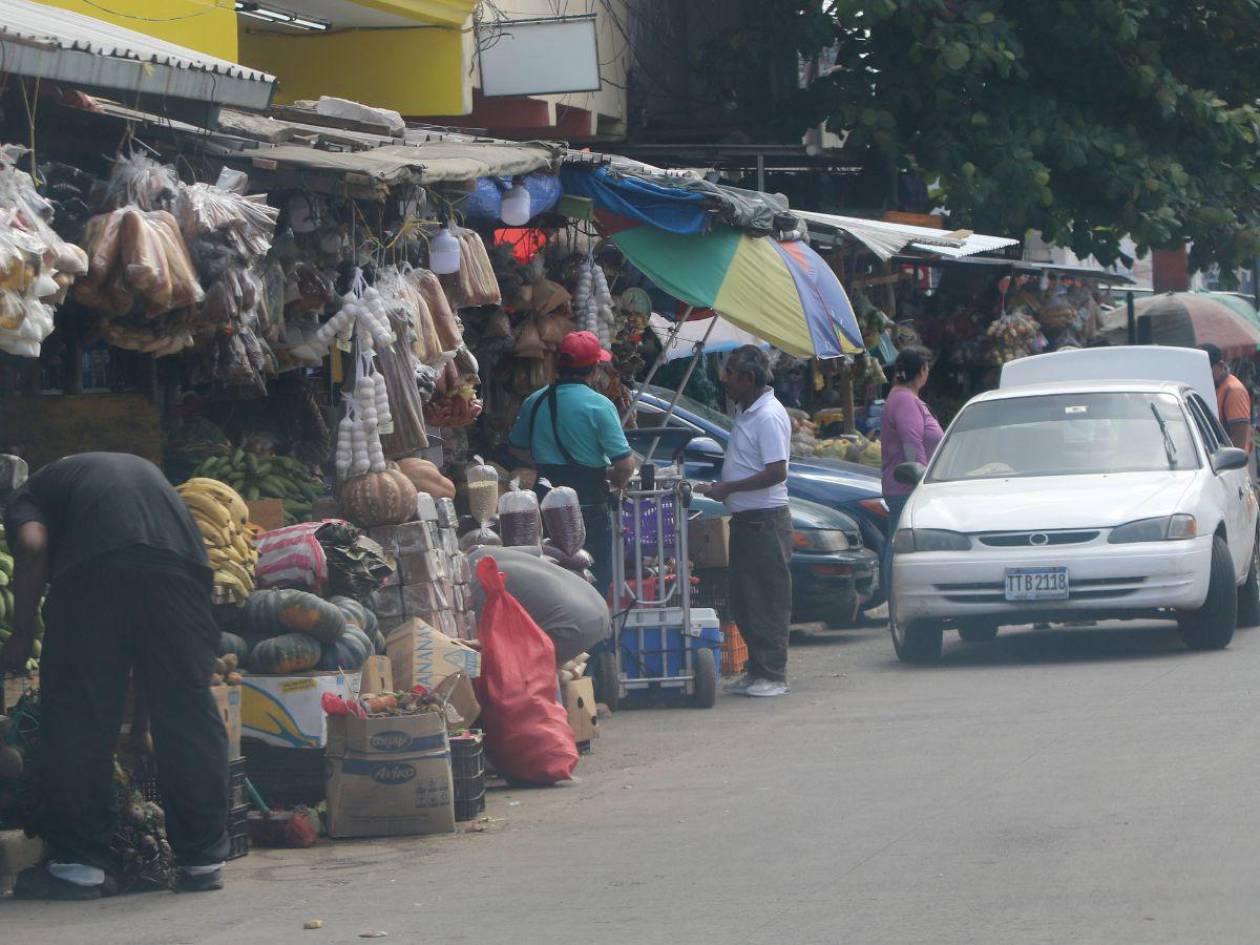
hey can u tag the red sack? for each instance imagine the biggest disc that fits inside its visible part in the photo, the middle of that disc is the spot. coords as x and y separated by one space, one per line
527 732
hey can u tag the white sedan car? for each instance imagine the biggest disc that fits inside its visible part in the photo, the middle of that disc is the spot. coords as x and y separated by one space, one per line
1081 500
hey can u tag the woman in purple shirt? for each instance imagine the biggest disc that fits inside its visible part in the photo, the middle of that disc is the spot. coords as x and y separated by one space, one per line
908 434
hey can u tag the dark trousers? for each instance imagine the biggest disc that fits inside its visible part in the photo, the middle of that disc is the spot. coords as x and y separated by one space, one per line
761 587
100 624
896 504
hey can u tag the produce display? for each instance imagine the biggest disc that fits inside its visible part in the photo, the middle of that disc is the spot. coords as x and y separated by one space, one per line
1014 336
379 498
222 517
520 522
6 605
593 302
293 631
276 477
475 283
37 266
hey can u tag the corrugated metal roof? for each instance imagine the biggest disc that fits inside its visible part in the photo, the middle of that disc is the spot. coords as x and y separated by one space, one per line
55 44
886 239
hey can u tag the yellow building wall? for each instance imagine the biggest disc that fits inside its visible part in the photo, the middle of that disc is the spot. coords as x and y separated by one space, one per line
413 71
208 26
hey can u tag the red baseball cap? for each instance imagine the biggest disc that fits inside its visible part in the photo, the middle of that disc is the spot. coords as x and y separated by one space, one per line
580 349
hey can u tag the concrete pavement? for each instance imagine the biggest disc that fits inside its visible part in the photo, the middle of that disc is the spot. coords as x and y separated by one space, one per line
1091 785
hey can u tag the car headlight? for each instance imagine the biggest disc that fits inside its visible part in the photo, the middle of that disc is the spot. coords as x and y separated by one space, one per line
1166 528
929 539
821 540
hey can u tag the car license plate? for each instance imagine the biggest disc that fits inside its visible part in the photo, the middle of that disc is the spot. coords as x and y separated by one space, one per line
1036 584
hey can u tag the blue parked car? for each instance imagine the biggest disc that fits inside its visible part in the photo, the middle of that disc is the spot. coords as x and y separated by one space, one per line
849 487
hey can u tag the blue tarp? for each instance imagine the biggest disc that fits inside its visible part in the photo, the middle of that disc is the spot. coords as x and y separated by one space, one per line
486 202
667 208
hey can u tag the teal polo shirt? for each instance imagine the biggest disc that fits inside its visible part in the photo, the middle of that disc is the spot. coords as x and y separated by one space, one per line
588 424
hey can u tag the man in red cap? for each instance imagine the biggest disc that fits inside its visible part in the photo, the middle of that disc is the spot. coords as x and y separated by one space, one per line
573 435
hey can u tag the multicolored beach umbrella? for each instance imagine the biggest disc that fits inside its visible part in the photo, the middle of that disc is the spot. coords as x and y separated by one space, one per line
782 292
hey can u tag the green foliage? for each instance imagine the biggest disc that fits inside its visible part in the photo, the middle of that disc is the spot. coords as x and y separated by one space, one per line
1085 119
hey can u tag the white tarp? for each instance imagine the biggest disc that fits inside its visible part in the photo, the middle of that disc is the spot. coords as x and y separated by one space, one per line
723 337
886 240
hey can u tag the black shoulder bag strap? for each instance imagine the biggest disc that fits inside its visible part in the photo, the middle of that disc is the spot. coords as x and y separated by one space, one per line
552 401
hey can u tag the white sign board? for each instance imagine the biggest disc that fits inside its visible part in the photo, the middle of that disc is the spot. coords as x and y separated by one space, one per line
539 57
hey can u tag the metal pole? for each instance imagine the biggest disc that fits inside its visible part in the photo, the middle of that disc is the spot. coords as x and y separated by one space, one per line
761 173
1255 283
656 365
696 351
1128 305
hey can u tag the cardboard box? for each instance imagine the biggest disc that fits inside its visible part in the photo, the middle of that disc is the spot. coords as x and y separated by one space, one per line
459 569
462 707
450 541
267 514
579 703
228 699
389 776
387 602
407 538
419 599
377 675
287 711
447 518
709 542
422 655
443 620
419 567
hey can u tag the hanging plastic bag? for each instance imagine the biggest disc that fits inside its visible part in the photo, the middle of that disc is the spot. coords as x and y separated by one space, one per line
562 514
527 732
519 521
483 490
483 536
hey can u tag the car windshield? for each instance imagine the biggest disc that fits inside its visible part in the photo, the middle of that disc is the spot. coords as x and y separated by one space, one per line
1066 435
714 416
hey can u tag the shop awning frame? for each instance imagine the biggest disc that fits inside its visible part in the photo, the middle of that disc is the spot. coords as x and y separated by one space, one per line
57 45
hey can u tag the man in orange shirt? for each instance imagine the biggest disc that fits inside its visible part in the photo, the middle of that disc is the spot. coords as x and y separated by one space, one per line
1232 399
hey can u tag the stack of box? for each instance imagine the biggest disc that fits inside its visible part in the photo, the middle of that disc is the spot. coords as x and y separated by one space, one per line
431 577
461 574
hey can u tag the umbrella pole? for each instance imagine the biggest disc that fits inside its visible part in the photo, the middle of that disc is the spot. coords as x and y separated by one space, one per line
656 364
696 351
1132 317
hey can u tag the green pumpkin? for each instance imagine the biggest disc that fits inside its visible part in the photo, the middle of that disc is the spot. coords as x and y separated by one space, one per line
231 643
355 612
349 652
269 613
283 655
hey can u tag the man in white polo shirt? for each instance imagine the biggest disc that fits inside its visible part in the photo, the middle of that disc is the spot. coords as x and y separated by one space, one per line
754 488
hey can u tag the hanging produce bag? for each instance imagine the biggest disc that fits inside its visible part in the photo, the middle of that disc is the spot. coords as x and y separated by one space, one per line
519 521
527 732
562 513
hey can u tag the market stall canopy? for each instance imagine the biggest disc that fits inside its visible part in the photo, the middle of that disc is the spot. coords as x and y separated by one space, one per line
886 239
677 203
1186 319
44 42
679 341
430 163
782 292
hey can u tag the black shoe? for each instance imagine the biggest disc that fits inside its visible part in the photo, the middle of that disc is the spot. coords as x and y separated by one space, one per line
36 882
198 882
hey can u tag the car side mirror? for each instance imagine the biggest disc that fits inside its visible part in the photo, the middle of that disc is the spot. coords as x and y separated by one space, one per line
909 474
705 449
1227 458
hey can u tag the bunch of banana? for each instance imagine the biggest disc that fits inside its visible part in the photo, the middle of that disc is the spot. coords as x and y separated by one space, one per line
6 605
276 477
222 517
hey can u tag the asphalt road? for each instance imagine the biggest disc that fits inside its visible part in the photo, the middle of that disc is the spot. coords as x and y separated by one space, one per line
1083 786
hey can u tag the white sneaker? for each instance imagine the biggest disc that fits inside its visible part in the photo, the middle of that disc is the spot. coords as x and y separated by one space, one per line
767 687
741 686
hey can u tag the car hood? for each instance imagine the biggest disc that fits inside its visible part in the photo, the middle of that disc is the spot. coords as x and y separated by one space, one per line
1045 503
805 514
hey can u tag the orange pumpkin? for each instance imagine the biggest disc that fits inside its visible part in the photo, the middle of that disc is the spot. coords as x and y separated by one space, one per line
427 478
385 498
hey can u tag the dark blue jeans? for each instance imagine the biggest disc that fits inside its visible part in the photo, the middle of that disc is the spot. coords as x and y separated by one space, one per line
896 505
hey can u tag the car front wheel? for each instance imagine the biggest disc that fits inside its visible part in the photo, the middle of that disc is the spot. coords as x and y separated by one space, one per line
1211 627
1249 593
916 641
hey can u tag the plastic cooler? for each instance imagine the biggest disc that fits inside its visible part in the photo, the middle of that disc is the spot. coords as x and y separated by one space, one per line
663 652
